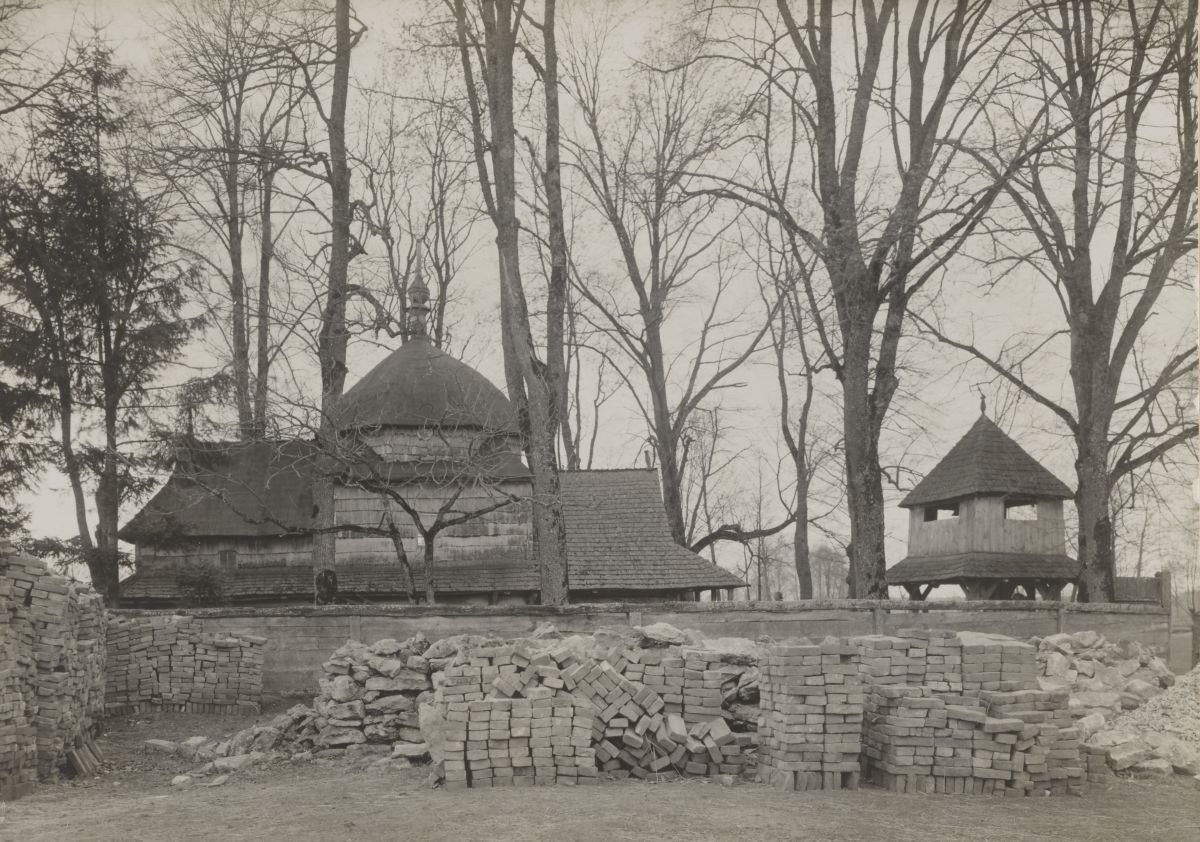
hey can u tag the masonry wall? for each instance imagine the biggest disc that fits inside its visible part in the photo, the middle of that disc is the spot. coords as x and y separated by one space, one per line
51 669
299 638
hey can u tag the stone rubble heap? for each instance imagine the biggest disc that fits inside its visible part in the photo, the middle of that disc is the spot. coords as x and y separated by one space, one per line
810 732
542 738
366 708
51 670
167 662
1102 677
1160 737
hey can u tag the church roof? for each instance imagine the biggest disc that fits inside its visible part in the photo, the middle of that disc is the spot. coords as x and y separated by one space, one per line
986 461
982 565
419 385
230 489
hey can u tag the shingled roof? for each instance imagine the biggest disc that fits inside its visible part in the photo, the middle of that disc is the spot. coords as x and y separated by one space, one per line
230 489
981 565
618 537
986 461
419 385
617 540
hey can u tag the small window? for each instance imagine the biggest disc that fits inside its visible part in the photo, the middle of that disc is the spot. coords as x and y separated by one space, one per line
228 559
1020 510
943 512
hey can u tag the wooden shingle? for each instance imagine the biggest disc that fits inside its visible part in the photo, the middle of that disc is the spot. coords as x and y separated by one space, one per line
986 461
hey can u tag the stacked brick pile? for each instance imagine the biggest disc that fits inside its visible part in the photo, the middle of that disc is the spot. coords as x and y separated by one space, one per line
169 663
995 662
673 724
544 738
812 713
971 721
51 669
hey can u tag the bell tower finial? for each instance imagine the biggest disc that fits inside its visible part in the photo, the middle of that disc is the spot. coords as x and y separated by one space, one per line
418 300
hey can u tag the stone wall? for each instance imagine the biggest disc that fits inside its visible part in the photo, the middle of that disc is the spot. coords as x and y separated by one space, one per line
171 663
51 669
299 638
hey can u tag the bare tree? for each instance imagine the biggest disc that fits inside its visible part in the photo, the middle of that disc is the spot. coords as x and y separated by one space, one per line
486 38
231 102
1106 218
417 201
827 80
635 160
26 80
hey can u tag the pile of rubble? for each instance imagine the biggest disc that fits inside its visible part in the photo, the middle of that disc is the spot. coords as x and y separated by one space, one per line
1160 737
1102 678
367 709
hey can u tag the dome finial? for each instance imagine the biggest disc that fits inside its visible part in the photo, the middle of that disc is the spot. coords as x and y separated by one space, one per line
418 300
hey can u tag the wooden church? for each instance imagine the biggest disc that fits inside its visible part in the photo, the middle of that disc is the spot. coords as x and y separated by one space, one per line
422 436
989 519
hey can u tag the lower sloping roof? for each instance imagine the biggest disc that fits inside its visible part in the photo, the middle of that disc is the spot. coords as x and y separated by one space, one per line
618 537
966 566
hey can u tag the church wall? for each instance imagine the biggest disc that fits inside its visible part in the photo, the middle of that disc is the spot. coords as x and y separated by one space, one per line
288 551
409 445
507 529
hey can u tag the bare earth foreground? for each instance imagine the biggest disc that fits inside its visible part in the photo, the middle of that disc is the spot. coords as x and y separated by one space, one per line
318 801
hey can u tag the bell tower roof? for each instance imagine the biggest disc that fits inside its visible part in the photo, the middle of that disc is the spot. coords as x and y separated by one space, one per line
986 462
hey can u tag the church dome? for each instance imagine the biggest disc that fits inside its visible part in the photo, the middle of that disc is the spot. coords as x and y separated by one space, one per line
419 385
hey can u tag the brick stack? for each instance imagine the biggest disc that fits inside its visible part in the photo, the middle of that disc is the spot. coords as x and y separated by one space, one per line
544 738
995 662
812 712
969 720
169 663
1055 762
51 670
942 654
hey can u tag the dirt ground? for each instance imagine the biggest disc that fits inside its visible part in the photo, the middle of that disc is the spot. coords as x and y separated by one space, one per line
306 802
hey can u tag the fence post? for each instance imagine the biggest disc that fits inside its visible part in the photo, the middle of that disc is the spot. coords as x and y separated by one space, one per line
1164 588
1062 618
877 619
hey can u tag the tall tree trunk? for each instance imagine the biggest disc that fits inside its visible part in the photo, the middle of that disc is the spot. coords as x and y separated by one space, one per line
263 325
237 295
556 294
526 377
800 540
864 480
1097 554
105 573
331 342
666 441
